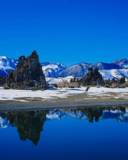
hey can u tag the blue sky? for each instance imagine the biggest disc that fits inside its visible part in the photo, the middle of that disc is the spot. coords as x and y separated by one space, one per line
66 31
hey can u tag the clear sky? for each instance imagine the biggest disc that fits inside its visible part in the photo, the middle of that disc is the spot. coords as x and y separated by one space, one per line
66 31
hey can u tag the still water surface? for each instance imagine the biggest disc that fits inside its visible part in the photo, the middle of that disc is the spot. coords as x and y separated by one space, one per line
80 134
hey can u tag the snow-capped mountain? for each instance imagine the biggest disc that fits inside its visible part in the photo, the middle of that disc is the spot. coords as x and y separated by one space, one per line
109 71
53 69
6 65
116 69
123 63
77 70
114 73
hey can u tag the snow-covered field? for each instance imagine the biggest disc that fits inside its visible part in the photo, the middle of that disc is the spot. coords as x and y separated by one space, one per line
22 95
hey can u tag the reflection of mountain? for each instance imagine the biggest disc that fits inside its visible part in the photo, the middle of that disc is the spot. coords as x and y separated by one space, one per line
120 115
3 122
59 114
92 114
30 124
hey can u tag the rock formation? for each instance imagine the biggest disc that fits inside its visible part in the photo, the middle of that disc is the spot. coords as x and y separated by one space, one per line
28 74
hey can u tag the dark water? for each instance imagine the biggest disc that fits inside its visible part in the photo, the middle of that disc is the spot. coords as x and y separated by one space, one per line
80 134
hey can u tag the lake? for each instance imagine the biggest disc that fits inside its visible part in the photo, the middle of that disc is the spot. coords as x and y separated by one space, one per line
97 133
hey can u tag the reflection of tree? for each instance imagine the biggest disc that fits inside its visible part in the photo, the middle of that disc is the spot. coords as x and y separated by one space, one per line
93 114
29 124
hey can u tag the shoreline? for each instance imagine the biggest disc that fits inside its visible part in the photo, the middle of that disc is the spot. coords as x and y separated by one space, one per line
66 103
62 98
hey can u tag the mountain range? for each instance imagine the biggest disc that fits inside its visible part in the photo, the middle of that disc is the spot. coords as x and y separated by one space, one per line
112 70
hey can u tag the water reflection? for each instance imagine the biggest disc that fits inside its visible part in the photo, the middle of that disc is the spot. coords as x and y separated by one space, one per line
30 124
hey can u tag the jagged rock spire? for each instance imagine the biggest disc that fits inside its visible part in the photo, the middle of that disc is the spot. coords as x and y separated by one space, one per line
28 74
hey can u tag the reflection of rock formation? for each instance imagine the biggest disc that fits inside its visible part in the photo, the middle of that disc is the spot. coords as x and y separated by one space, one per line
29 124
